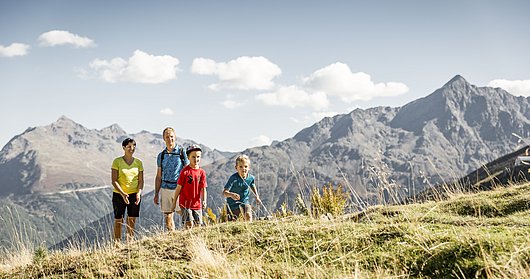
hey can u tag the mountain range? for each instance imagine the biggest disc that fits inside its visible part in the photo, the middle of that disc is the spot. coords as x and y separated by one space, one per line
56 176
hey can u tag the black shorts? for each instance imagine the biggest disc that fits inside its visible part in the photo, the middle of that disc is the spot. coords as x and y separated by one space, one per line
119 205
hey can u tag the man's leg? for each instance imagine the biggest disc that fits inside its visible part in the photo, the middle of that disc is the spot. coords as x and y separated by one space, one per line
170 223
166 202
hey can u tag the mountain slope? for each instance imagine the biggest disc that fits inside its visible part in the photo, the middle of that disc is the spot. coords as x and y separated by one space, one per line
44 159
57 177
437 138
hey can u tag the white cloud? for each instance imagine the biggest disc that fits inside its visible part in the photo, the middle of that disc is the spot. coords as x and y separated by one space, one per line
293 97
260 141
231 104
243 73
167 111
140 68
338 80
515 87
61 37
204 66
15 49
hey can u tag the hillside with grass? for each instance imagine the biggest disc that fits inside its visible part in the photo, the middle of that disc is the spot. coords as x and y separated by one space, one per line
484 235
56 176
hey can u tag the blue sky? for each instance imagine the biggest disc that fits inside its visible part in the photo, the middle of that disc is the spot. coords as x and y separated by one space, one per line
236 74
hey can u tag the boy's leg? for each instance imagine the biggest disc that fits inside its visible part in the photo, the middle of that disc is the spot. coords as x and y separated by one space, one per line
248 212
197 217
233 213
187 218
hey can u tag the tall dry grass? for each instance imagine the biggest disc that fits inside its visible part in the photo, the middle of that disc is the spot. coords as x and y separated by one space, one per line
456 235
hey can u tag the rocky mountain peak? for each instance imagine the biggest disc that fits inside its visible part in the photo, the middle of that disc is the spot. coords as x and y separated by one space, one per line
64 121
457 81
113 131
458 102
65 126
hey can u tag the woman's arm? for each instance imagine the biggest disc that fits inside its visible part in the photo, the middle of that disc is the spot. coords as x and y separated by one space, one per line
116 185
140 186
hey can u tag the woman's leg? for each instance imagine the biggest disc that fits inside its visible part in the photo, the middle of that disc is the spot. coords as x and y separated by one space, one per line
131 221
117 229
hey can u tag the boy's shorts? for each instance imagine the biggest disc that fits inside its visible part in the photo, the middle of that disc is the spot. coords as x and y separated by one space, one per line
191 215
234 213
165 199
119 206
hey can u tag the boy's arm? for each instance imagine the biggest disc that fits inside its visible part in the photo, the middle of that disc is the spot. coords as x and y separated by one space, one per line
175 199
255 191
228 194
204 196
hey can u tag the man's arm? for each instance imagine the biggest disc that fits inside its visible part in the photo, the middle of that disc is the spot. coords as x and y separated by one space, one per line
158 182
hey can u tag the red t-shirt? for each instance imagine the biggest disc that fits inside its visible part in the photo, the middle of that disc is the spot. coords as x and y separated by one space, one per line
192 182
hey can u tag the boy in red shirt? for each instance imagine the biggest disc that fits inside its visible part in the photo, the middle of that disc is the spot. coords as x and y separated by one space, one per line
191 190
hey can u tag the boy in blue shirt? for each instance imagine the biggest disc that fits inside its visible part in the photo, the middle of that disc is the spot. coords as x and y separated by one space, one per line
237 190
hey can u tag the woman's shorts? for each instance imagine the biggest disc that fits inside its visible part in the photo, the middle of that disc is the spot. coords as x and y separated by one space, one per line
119 205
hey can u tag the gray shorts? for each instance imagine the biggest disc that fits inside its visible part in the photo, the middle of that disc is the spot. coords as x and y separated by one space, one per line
191 215
234 213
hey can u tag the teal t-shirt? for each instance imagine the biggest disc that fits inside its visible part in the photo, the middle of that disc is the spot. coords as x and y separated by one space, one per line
240 186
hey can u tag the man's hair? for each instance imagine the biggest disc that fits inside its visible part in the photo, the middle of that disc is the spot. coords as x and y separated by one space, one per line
126 142
168 129
241 159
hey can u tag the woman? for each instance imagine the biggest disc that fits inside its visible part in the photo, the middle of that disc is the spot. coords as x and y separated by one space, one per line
128 182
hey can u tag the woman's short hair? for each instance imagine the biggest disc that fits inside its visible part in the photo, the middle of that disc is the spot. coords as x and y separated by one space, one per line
126 142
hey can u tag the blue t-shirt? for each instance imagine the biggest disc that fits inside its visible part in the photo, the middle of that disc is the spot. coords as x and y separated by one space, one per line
171 166
240 186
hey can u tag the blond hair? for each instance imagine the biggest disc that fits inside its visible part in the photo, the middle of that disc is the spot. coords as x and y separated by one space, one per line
242 159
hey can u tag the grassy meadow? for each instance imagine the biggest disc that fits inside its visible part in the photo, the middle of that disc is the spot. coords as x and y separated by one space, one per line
479 235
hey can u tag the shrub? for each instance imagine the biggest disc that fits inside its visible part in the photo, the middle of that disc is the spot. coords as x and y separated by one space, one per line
331 201
211 218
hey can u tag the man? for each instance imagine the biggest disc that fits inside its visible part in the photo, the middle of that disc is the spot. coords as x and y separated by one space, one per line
169 162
